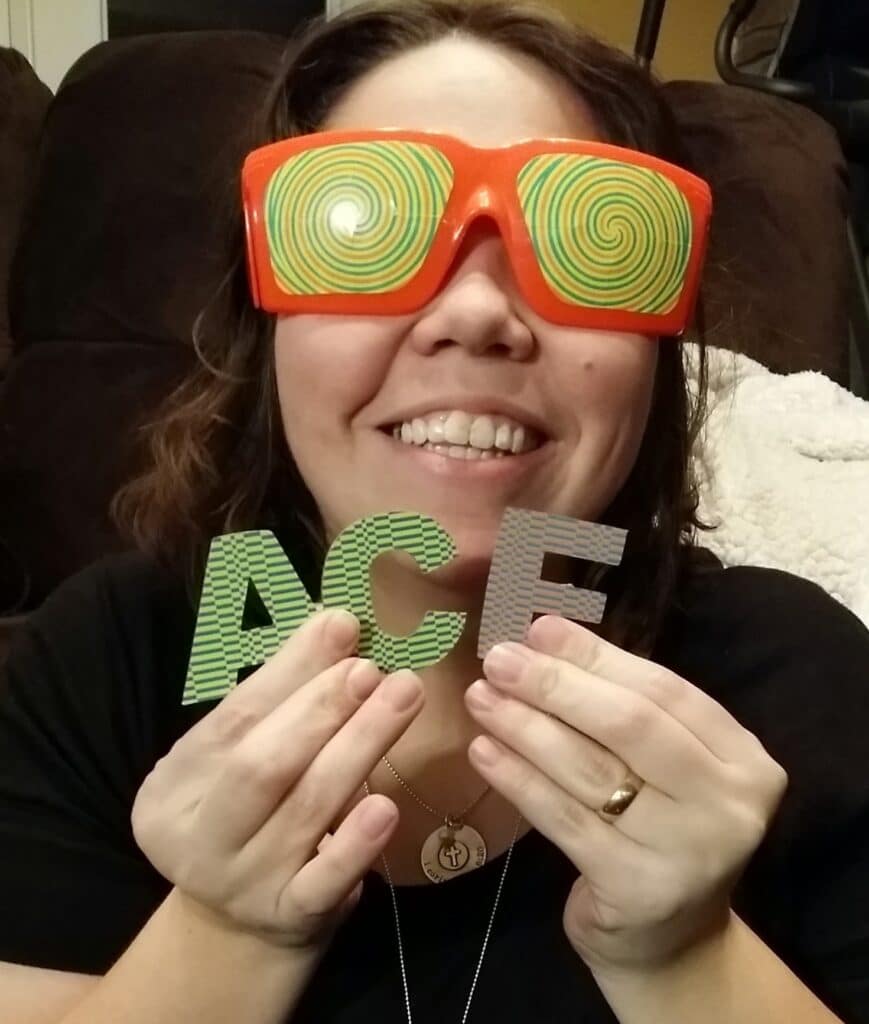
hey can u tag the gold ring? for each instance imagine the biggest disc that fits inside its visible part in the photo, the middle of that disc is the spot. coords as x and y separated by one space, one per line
622 798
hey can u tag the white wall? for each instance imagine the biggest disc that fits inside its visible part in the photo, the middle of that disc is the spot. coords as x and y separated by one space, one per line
53 34
334 7
4 23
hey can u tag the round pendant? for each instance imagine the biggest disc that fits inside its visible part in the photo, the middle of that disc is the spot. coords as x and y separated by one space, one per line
452 851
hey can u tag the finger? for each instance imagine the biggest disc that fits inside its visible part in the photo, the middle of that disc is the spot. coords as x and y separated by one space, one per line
588 841
321 641
257 772
645 737
711 723
578 764
355 894
333 875
338 771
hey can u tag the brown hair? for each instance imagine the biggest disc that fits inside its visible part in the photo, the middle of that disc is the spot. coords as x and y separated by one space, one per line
216 457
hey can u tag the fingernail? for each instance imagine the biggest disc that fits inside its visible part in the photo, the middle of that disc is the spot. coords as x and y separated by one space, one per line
376 816
505 662
481 695
485 750
402 691
341 627
364 678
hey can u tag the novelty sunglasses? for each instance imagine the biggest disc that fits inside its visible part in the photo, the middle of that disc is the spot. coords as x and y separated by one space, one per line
368 223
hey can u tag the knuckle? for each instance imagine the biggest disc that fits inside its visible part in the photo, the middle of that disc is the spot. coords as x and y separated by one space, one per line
779 781
323 701
293 904
231 721
629 723
758 775
774 774
572 816
591 657
147 815
744 819
142 821
750 824
250 768
338 695
548 680
307 802
663 688
328 705
754 742
601 769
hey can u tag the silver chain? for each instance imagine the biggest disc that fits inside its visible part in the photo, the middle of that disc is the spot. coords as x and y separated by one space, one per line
442 817
488 929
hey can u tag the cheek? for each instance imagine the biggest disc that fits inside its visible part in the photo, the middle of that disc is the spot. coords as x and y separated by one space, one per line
324 375
616 380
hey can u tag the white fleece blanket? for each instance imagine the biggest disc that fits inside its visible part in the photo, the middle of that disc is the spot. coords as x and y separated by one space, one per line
783 470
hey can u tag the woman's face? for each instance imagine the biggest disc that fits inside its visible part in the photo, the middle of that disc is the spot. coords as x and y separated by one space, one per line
476 352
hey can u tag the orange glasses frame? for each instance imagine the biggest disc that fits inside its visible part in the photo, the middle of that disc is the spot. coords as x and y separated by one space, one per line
484 185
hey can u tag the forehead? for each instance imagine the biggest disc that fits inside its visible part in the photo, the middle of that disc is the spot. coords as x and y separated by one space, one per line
484 94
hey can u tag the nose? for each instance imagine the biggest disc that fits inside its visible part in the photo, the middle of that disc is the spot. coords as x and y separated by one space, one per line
475 307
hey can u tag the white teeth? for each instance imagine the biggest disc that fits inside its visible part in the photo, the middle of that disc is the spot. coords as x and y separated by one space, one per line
457 451
458 427
504 437
482 432
436 430
420 433
444 431
461 429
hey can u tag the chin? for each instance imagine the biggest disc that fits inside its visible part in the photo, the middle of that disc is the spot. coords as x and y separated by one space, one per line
469 567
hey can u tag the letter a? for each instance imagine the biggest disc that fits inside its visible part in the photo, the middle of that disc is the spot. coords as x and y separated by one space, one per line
220 646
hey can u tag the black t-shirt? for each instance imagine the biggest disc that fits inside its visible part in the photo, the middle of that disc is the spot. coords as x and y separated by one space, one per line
90 698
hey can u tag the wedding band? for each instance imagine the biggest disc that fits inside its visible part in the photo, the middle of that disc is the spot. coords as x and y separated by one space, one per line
622 799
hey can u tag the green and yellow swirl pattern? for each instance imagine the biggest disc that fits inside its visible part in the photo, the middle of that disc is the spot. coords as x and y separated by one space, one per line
355 217
606 234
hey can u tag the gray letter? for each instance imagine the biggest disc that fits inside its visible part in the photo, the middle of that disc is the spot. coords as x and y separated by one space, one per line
515 592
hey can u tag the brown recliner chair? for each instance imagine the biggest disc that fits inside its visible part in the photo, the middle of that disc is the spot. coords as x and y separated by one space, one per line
23 103
118 251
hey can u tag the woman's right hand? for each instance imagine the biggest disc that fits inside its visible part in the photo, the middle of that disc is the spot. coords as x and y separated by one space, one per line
236 814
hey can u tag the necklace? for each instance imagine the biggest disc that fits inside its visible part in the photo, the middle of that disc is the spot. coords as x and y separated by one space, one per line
488 928
454 847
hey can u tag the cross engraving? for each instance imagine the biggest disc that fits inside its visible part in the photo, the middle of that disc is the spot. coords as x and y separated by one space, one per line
453 856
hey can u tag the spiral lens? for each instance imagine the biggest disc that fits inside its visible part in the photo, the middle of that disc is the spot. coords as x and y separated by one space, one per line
355 218
606 234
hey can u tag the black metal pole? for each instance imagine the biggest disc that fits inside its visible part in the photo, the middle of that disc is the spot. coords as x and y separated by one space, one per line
649 30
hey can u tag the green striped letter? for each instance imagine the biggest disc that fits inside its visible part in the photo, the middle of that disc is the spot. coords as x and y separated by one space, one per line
236 560
347 584
220 646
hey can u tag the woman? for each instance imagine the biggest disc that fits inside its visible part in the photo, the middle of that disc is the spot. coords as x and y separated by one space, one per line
675 826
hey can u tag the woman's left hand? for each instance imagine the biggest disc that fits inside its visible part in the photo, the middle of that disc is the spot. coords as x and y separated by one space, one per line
573 714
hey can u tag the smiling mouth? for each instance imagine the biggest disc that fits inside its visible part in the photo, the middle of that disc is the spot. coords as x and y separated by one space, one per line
466 436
